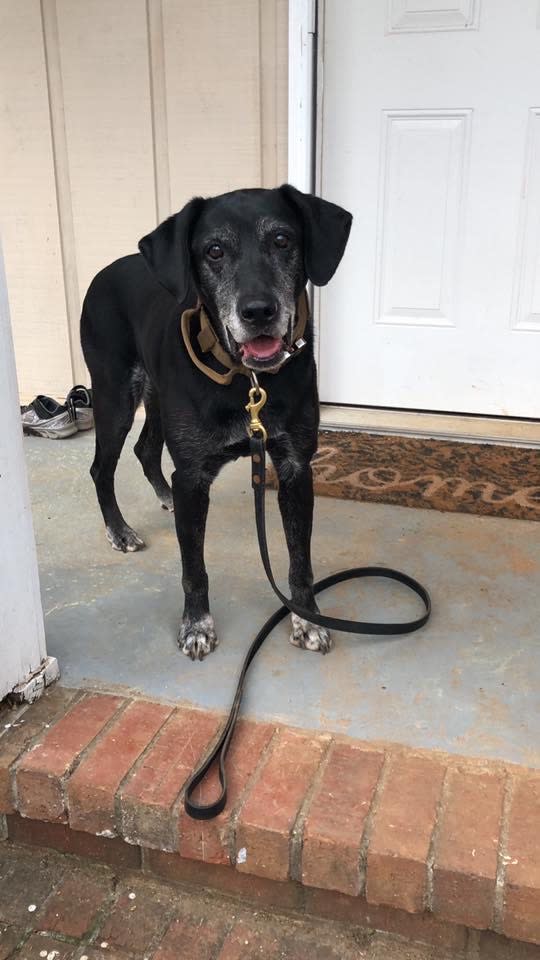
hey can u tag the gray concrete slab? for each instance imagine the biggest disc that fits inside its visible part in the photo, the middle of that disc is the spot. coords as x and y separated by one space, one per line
468 683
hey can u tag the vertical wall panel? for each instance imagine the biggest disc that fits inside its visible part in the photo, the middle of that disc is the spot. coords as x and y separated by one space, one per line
28 206
105 69
274 86
158 96
281 80
213 96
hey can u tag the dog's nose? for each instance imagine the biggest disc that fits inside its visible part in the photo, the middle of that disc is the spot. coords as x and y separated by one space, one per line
258 310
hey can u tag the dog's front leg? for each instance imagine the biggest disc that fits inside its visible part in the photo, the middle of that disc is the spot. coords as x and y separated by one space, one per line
197 636
295 499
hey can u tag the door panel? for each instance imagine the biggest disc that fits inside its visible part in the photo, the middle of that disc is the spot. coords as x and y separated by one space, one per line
414 16
422 162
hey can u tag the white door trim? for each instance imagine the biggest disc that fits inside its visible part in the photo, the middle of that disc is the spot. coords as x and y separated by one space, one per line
302 26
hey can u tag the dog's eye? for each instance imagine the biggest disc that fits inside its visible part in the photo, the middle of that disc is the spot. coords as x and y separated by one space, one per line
215 251
281 240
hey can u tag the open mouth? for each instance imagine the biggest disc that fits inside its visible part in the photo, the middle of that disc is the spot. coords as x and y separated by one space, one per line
264 352
262 348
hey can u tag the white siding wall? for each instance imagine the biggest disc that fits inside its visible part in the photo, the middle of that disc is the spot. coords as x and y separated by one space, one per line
28 209
112 115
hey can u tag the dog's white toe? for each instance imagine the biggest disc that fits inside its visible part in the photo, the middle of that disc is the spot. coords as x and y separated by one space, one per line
309 636
197 638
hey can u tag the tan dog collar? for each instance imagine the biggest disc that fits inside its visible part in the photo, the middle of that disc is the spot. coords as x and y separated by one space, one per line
209 343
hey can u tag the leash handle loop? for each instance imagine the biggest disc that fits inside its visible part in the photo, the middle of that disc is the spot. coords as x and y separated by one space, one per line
200 811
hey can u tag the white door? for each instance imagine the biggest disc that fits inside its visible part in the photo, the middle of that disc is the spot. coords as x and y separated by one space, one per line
431 137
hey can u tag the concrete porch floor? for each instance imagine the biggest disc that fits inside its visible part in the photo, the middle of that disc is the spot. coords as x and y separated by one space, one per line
468 683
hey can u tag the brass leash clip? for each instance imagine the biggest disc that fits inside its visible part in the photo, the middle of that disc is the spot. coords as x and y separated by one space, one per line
257 400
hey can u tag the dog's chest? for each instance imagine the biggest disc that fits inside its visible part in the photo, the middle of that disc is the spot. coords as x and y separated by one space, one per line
231 434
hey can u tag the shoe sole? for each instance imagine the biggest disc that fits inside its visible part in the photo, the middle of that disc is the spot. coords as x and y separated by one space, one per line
60 433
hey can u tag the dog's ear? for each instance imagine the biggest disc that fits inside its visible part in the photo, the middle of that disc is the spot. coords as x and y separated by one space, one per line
167 249
326 231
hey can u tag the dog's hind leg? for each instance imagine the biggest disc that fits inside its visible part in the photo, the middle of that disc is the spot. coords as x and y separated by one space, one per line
149 448
115 400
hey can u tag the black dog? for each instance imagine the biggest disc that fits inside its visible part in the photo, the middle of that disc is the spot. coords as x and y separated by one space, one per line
247 257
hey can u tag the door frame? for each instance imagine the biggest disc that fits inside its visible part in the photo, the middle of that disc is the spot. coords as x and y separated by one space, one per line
302 78
305 138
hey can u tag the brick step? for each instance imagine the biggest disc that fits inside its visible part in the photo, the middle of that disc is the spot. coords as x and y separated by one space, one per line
417 843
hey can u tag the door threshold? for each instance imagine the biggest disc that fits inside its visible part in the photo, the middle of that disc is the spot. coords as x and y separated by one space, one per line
443 426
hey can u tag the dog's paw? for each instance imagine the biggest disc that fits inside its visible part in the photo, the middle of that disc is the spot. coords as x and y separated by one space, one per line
309 636
197 638
124 539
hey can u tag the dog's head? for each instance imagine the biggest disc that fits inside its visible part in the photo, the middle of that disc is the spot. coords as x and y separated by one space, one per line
249 254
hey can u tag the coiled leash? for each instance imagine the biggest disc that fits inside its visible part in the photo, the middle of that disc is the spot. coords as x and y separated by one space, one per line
257 442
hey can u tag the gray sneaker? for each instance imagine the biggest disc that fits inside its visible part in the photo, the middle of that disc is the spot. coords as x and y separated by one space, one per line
79 402
47 418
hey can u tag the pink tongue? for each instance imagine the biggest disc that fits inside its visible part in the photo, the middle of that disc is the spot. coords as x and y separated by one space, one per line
261 347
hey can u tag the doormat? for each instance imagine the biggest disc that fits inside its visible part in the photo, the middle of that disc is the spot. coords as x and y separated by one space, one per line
481 478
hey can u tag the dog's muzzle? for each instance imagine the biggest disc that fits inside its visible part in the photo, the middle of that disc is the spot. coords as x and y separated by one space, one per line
263 353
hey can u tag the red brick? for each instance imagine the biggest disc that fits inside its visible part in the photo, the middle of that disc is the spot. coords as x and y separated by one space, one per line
247 943
74 905
494 947
9 938
307 941
33 949
401 834
58 836
382 947
41 773
26 879
270 811
421 927
92 789
146 801
521 919
208 840
256 937
192 939
257 890
336 818
27 725
137 920
108 953
465 867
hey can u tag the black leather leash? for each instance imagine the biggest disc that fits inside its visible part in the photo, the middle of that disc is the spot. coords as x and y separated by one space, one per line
208 811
